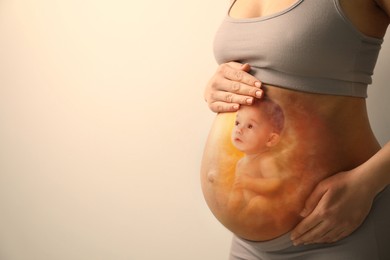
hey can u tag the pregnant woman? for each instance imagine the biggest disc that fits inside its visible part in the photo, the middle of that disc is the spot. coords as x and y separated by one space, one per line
321 191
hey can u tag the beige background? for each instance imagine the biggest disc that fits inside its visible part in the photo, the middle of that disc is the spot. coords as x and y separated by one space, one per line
103 125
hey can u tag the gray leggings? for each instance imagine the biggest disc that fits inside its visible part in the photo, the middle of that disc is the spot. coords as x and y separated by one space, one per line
371 241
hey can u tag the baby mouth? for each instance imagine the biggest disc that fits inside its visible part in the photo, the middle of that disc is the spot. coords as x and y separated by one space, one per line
237 139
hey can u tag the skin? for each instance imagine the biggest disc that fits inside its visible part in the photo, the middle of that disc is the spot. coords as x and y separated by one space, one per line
337 204
253 134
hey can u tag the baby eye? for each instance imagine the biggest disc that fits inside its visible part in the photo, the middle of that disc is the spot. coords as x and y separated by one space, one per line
236 123
250 126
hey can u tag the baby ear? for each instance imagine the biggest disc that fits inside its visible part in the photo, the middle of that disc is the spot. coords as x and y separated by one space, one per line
273 139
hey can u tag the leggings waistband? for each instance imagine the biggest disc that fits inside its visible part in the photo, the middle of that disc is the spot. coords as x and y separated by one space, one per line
275 244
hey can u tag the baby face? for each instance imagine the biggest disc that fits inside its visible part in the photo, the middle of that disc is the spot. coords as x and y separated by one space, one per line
252 132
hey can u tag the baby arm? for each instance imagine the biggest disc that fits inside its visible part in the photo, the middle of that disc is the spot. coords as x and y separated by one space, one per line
258 185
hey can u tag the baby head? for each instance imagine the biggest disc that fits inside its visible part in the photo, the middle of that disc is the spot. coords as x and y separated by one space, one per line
258 127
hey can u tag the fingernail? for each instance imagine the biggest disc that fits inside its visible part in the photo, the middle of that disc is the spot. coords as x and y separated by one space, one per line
236 107
259 94
296 243
243 65
249 101
257 84
303 212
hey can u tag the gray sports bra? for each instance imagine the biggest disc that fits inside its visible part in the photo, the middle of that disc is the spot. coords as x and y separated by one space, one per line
311 46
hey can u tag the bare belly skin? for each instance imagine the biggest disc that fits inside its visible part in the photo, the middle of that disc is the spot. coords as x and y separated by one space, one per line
322 135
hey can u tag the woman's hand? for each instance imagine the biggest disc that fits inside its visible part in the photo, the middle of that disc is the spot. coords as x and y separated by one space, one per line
337 207
230 87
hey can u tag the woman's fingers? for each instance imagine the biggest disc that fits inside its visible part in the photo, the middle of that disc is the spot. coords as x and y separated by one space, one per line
322 232
229 97
232 72
331 236
232 86
221 107
341 206
314 199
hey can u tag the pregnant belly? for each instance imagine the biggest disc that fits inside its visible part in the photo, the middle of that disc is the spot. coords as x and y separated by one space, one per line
261 199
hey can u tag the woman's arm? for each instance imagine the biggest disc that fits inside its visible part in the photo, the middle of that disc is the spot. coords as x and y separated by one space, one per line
384 5
340 203
230 87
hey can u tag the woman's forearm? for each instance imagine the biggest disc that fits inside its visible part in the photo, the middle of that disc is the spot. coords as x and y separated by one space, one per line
376 170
